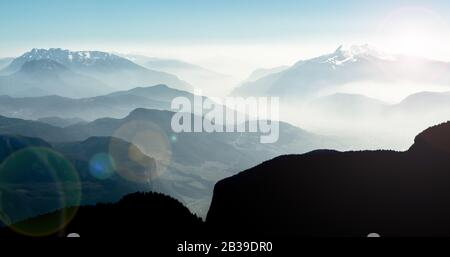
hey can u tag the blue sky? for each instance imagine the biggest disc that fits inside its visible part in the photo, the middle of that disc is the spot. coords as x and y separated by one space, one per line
188 20
126 25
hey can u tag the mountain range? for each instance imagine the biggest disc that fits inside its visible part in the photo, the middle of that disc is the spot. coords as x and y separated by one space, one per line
72 74
47 77
356 66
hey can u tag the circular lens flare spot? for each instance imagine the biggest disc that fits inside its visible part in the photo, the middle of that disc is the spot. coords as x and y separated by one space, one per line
149 150
102 166
35 181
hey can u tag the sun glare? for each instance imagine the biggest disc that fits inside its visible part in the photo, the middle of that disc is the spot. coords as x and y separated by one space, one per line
414 31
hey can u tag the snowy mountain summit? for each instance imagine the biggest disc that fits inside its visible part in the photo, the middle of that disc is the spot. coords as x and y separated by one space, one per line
102 72
71 59
354 53
64 56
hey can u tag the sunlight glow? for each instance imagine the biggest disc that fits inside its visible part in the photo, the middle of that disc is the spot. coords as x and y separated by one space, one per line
414 31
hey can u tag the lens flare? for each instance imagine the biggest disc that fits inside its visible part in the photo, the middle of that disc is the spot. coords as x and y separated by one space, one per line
148 143
35 181
102 166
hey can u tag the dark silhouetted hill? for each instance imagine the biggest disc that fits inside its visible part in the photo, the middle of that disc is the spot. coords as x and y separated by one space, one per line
145 215
435 140
329 193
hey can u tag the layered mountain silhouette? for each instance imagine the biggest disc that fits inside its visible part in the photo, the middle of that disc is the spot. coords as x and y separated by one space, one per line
329 193
76 73
37 177
320 194
333 114
115 105
12 126
189 164
139 215
193 162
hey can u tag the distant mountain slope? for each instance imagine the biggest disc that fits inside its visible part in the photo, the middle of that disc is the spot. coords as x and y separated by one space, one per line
210 82
357 64
5 62
12 126
37 177
149 215
260 73
350 106
359 116
176 66
161 93
424 102
329 193
112 70
48 77
61 122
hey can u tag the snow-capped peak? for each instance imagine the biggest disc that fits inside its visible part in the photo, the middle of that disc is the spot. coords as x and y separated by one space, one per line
363 51
354 53
65 56
77 61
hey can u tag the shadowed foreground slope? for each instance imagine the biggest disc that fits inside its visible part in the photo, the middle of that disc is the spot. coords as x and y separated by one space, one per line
145 215
329 193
